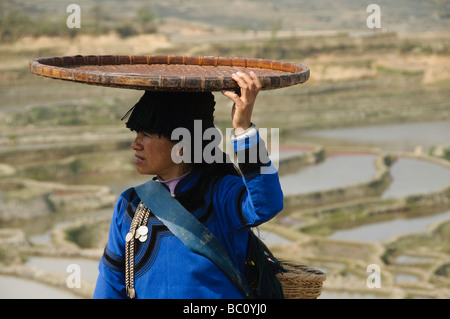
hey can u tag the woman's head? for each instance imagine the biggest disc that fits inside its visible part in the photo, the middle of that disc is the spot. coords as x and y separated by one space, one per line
160 113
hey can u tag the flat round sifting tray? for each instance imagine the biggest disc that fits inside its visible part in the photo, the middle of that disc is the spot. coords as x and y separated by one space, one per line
168 73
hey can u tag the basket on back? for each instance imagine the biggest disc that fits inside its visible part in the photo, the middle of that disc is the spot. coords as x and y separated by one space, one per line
301 281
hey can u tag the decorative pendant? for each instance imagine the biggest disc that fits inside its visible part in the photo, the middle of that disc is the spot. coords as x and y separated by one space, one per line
143 230
140 233
129 236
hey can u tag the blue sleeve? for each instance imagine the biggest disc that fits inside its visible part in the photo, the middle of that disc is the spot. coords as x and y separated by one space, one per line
111 279
263 199
256 197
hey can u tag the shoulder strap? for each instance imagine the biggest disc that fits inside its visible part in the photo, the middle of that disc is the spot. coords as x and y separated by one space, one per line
189 230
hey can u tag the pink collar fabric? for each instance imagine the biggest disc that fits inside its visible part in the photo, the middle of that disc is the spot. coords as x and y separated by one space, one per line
172 183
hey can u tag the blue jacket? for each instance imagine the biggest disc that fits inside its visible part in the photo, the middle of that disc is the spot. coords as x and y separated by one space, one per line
164 266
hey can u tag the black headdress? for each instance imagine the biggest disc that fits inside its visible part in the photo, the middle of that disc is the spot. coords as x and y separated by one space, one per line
161 112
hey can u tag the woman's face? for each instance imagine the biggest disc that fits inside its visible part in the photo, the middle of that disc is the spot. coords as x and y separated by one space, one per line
153 156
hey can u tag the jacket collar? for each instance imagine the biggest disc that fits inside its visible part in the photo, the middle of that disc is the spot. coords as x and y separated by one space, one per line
186 183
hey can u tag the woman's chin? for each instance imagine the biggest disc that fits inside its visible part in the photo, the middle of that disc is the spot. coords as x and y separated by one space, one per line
140 169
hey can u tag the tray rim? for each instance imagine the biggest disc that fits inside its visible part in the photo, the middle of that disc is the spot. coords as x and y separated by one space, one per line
56 67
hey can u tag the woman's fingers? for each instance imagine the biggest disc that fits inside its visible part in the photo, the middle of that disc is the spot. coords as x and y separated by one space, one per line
241 113
256 80
247 81
231 95
249 84
242 79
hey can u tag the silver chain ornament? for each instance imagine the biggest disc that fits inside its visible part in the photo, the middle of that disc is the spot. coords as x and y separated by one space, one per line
138 231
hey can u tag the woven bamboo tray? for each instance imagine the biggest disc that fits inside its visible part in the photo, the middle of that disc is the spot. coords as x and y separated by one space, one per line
301 281
167 73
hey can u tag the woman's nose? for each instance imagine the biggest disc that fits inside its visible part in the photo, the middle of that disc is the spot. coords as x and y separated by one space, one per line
136 145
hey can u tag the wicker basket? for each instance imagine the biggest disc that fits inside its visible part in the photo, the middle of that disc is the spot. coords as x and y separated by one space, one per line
301 281
168 73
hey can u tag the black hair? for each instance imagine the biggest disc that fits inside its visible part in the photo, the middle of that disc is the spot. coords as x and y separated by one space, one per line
161 112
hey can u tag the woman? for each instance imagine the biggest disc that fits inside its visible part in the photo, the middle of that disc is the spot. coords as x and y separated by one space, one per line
227 202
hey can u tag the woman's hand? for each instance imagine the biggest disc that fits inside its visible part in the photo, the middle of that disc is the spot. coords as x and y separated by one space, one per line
243 103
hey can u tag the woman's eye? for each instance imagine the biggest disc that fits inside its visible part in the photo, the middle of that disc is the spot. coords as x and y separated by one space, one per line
149 135
142 133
